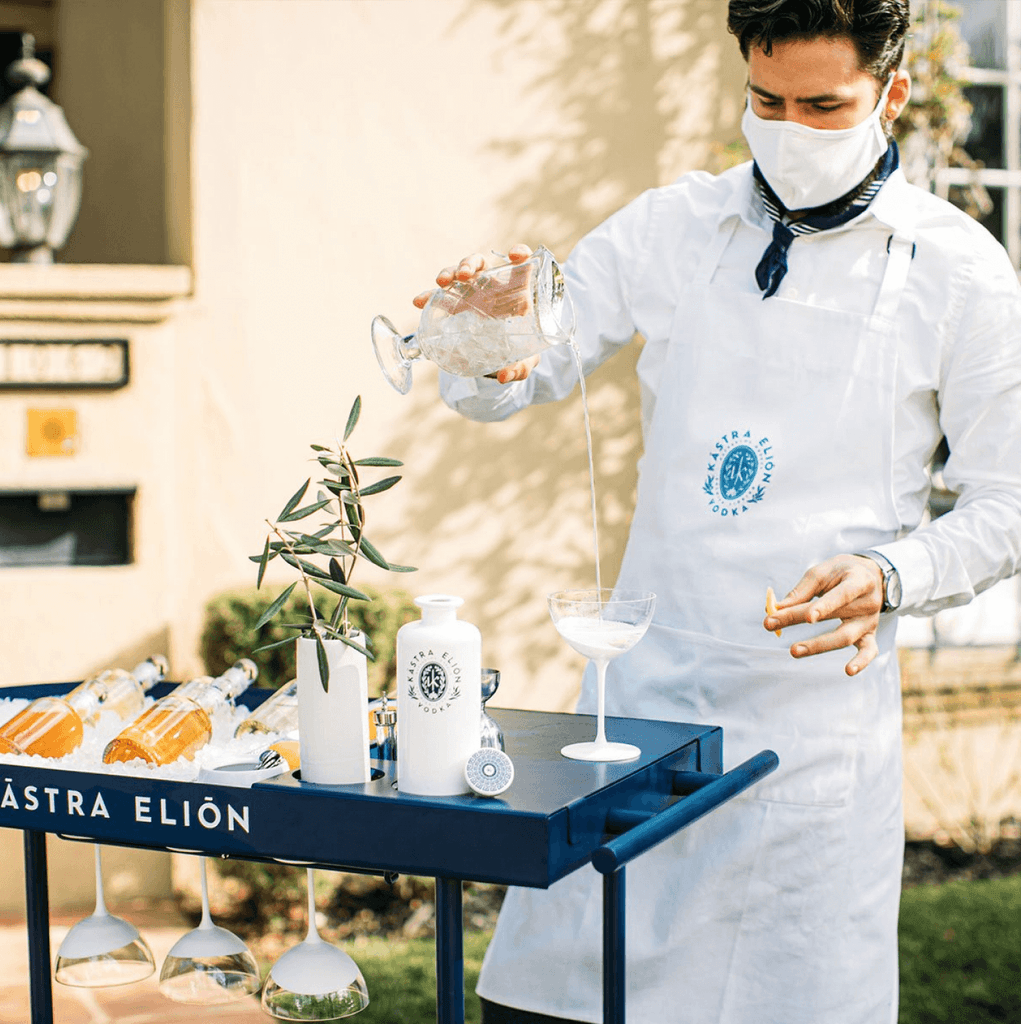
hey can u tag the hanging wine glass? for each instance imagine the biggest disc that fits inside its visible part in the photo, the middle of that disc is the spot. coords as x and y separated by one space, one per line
314 981
209 964
103 949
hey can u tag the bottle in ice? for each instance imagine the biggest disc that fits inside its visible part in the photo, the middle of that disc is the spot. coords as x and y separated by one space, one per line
180 724
476 327
54 726
278 714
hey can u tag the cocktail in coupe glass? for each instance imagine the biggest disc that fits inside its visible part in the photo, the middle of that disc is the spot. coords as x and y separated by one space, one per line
601 624
473 328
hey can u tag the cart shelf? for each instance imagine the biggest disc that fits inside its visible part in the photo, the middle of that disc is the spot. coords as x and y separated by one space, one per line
558 816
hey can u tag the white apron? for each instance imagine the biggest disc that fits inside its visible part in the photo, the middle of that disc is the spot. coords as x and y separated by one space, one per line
770 449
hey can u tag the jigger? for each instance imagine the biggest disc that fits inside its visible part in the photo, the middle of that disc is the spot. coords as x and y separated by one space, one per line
492 734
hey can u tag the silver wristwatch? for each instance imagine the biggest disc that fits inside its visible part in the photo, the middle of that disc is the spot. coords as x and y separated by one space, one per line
892 593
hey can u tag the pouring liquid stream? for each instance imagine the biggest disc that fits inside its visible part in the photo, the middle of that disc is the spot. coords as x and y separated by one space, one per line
576 352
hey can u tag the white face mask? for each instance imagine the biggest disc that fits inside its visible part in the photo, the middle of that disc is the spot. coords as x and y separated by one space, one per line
809 167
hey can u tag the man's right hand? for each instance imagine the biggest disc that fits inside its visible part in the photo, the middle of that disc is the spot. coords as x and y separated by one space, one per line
467 270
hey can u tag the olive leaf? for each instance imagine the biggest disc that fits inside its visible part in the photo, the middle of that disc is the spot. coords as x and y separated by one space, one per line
357 646
303 566
342 589
274 607
373 555
292 503
327 552
352 417
275 644
380 485
324 662
266 556
303 513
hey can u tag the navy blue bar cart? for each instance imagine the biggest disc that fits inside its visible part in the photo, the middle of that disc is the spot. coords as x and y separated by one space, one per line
559 816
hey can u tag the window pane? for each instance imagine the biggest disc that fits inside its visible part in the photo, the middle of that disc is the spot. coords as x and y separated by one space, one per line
65 528
984 27
972 204
985 142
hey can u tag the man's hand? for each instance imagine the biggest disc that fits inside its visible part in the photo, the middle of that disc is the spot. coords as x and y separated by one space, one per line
467 270
848 588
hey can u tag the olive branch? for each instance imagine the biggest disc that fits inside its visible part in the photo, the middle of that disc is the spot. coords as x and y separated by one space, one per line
326 557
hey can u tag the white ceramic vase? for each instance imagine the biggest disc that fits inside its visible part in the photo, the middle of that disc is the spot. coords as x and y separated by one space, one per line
439 698
333 726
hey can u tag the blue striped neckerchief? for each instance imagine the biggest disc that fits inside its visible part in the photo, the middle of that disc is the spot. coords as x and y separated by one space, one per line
773 265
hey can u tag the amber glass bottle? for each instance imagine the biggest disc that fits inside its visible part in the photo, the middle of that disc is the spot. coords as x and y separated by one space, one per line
180 724
54 726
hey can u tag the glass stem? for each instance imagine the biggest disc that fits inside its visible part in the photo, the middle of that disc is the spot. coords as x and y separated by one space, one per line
101 910
313 932
601 701
207 921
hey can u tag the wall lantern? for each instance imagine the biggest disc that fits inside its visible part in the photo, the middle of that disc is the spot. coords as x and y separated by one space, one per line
40 165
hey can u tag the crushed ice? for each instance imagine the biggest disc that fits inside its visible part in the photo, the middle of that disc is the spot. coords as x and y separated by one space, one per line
471 345
222 748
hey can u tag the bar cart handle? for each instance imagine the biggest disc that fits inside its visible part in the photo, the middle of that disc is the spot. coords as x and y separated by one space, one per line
618 851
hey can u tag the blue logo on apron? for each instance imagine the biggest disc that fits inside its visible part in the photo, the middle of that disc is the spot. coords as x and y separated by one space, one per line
740 469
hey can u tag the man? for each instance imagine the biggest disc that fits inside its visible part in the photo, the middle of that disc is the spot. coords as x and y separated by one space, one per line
814 324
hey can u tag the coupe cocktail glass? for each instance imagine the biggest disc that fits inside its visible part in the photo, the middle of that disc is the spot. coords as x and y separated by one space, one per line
103 949
473 328
600 624
209 965
314 980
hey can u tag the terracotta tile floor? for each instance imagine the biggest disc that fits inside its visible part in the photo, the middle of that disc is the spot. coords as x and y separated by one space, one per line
140 1003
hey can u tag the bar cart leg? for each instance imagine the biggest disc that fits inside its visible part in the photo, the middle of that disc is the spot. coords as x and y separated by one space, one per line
449 952
37 914
614 960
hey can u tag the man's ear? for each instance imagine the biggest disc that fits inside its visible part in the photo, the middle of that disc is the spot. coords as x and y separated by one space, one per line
897 98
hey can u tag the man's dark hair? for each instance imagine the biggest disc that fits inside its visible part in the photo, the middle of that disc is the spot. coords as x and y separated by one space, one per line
876 27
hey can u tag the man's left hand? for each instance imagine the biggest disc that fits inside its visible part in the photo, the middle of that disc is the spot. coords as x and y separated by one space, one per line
848 588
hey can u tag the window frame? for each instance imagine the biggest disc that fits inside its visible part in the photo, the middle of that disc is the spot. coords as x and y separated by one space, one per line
1008 177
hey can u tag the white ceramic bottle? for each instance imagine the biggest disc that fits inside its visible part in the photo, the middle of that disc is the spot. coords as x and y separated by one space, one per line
439 700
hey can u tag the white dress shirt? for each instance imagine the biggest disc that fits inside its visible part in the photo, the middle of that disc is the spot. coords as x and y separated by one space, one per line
959 365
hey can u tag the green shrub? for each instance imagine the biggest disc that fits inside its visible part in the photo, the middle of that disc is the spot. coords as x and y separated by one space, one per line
230 616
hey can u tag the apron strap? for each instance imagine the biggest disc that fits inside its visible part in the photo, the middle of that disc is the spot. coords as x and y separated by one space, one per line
901 247
713 253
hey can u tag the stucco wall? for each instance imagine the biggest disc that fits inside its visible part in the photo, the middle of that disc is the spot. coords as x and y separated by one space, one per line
316 162
344 152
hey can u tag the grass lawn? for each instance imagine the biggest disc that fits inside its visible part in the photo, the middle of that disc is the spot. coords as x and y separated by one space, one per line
401 976
960 953
960 946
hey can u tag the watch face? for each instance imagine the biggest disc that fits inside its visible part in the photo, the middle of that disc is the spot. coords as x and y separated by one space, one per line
893 591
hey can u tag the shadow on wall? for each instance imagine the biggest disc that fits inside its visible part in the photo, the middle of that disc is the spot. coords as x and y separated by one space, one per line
644 90
157 642
508 503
